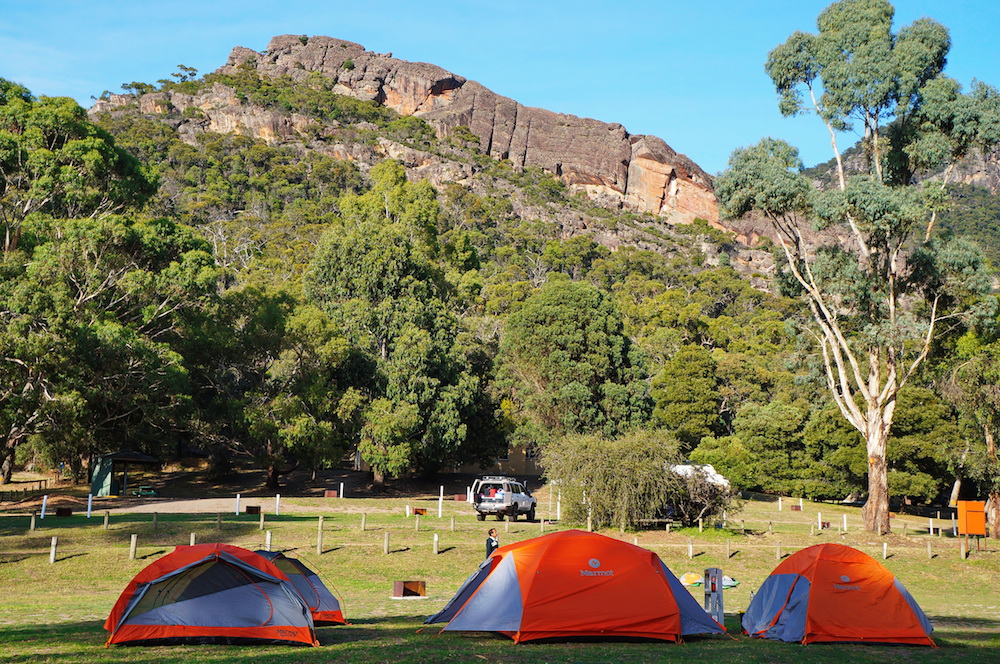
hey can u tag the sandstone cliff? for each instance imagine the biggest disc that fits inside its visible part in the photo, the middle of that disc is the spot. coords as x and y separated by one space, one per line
616 168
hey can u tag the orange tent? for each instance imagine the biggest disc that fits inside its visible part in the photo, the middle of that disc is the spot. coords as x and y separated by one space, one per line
575 584
834 593
210 593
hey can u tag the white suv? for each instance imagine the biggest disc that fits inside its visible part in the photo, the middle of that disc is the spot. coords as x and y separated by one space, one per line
502 497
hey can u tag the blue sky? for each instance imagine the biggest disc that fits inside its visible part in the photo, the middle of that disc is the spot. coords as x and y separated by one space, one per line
690 72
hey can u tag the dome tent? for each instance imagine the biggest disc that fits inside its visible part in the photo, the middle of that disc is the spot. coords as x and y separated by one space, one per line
835 593
324 606
210 593
571 585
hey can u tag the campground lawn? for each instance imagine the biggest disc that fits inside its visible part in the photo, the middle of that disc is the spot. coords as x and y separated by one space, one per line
54 612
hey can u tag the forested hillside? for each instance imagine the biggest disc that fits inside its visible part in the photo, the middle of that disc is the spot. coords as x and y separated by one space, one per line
361 280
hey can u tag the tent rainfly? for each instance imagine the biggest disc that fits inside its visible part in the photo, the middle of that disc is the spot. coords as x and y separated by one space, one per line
835 593
324 606
210 593
572 585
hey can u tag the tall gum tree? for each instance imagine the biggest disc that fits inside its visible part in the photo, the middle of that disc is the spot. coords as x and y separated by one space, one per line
875 293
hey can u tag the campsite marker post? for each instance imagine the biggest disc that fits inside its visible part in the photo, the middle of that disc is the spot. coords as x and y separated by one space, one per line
364 521
713 594
45 503
416 523
385 544
885 550
436 544
132 545
961 548
929 554
777 551
237 504
441 501
52 549
845 523
407 511
819 521
930 525
506 526
32 526
218 521
156 518
192 539
90 503
690 548
341 494
262 519
559 505
779 503
277 505
107 519
267 540
800 504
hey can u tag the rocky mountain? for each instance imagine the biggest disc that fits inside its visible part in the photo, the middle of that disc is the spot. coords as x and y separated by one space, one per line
616 169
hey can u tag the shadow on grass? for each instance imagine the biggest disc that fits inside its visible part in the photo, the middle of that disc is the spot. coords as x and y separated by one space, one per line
152 554
59 559
951 631
6 558
402 639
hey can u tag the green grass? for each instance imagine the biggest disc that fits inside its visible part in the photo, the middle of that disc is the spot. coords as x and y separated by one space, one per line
54 612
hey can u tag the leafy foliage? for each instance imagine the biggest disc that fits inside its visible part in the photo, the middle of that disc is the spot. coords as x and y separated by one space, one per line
623 481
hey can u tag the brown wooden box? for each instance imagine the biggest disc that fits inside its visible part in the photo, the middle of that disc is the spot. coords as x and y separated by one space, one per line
253 509
330 493
409 588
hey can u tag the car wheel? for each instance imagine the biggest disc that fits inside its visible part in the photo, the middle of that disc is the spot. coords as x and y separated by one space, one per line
501 516
513 512
531 513
480 516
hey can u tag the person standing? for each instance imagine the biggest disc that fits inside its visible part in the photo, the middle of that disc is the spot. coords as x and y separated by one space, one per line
492 542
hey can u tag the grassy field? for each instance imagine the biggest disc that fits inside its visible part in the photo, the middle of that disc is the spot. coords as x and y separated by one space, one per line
54 612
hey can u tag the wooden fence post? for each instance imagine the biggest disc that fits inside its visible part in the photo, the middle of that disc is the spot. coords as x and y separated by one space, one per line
319 537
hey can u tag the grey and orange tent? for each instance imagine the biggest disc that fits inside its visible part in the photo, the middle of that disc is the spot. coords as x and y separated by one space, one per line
835 593
575 585
324 606
210 593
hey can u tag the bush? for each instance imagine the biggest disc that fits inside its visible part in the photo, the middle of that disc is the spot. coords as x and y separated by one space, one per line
621 482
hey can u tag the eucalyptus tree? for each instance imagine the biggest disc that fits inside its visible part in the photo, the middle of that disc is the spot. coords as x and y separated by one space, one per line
54 161
974 385
566 366
876 298
379 277
93 314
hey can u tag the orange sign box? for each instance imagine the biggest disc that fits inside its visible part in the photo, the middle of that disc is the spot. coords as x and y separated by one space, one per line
971 517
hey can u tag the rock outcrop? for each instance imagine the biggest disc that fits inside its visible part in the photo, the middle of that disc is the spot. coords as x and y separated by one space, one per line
639 172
